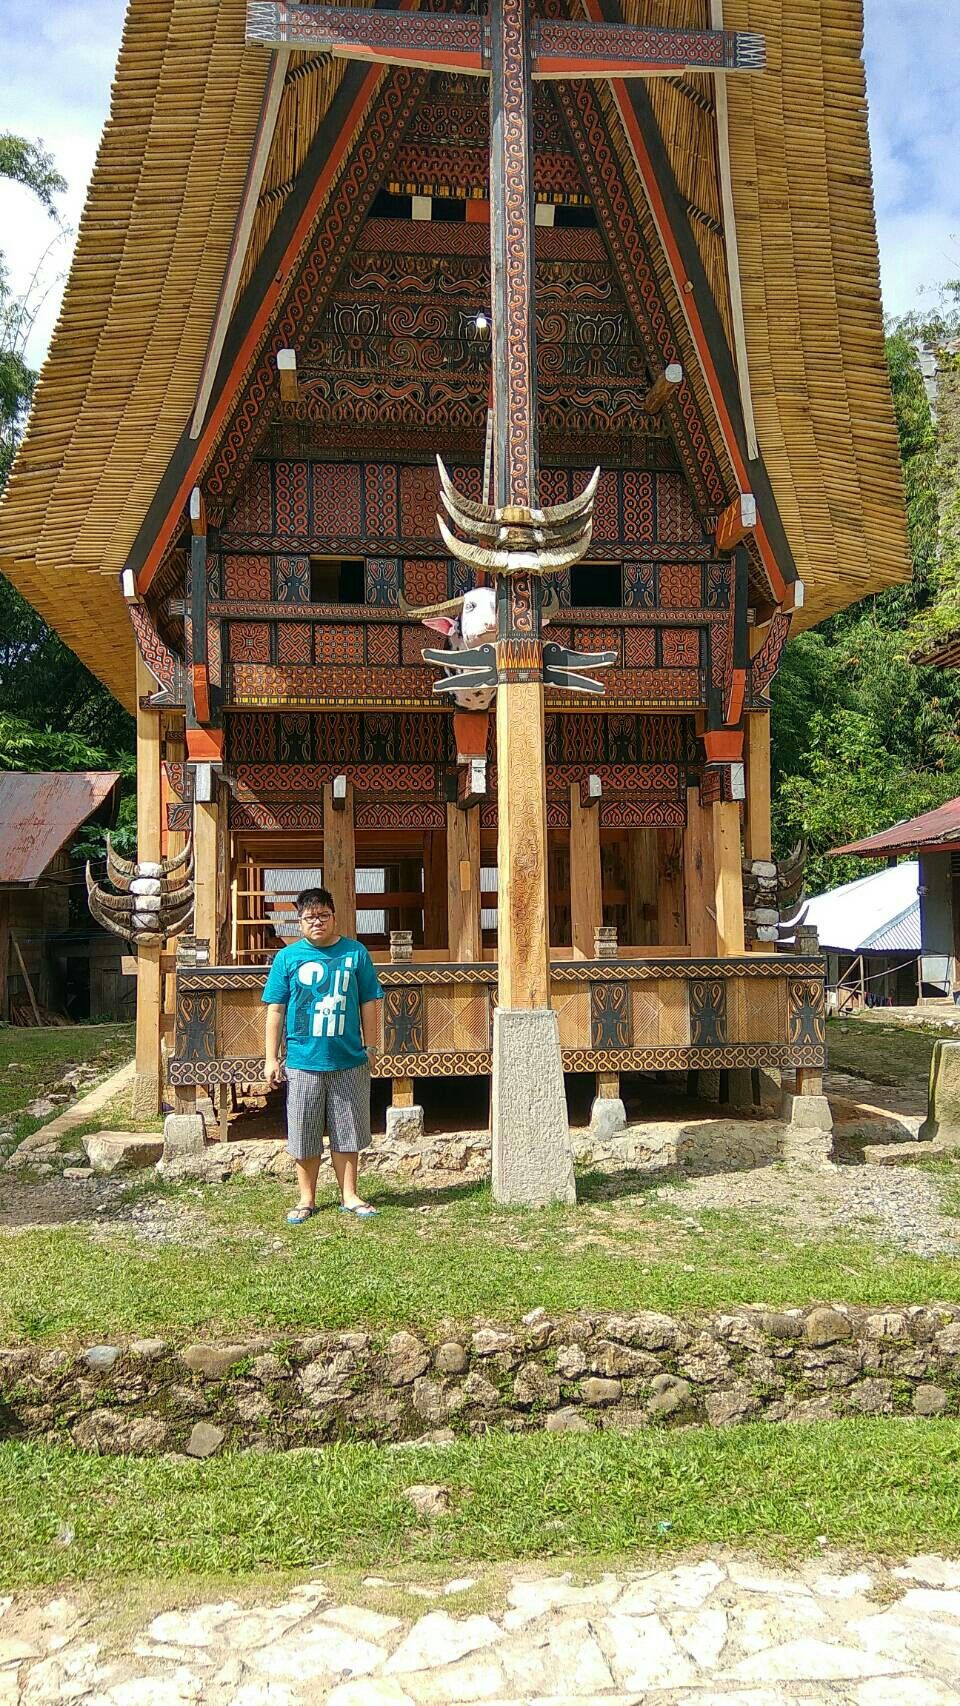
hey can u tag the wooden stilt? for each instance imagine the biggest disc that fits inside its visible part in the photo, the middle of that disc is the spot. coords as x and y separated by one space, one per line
728 876
586 887
463 885
809 1081
642 887
434 890
206 914
147 1086
670 907
608 1085
698 882
401 1092
340 857
757 842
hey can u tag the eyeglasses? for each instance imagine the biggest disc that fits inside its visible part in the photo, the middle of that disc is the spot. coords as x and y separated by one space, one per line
316 917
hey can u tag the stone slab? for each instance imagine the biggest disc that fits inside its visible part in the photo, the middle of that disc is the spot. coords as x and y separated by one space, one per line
532 1154
122 1151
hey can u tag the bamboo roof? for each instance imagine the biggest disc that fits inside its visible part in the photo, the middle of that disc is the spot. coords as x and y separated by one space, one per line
120 382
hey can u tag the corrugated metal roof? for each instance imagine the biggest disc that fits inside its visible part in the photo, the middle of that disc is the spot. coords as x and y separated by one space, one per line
879 914
939 828
39 812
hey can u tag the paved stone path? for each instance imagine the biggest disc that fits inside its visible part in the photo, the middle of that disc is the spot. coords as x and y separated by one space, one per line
720 1629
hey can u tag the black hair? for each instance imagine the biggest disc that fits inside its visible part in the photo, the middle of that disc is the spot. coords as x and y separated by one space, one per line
315 897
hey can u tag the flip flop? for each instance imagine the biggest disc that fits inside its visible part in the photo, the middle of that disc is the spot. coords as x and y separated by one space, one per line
300 1216
363 1212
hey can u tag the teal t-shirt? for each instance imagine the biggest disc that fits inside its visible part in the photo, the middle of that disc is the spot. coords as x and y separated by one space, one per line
323 990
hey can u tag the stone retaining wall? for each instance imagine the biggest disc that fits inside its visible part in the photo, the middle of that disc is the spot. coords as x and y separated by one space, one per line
574 1373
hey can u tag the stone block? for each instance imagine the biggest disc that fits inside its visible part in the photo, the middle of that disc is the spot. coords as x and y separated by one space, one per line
808 1137
405 1125
942 1124
451 1358
205 1440
213 1362
608 1116
532 1155
122 1151
930 1400
597 1391
183 1134
569 1421
826 1327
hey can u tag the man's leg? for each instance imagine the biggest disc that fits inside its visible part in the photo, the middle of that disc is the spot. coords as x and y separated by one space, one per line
306 1117
348 1120
345 1167
307 1179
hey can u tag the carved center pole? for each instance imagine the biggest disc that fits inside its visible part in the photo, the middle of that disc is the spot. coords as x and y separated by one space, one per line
531 1153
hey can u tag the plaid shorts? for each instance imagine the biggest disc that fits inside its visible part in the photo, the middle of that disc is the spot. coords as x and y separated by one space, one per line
334 1102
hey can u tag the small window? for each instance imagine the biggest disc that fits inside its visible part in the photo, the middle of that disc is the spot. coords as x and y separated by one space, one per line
337 580
596 584
581 217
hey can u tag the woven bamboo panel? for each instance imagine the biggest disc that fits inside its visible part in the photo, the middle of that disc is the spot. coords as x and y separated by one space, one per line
757 1012
674 1012
645 1014
457 1019
572 1007
240 1024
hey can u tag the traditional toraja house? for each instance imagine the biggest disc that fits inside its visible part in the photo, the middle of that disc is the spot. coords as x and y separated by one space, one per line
324 246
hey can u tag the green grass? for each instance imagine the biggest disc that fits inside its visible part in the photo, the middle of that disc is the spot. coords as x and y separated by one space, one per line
33 1060
885 1054
428 1257
867 1484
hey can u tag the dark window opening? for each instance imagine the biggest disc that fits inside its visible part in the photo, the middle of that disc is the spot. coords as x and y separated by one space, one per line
596 584
583 217
337 580
387 206
450 209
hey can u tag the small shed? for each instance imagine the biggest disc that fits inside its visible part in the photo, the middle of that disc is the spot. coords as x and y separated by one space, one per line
48 949
870 932
934 837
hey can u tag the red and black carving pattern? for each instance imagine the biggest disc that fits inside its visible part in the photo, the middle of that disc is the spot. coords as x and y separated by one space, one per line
294 642
386 816
706 49
719 585
293 737
289 781
157 656
677 518
215 653
336 498
339 643
599 640
291 499
638 524
446 34
381 486
342 220
643 814
681 586
665 779
246 577
512 190
383 644
639 586
179 779
424 582
336 737
680 648
249 642
640 648
304 817
412 641
711 784
383 581
179 819
419 497
252 511
767 661
293 580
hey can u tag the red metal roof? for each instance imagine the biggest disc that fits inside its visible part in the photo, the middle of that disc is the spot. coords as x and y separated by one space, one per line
939 828
39 812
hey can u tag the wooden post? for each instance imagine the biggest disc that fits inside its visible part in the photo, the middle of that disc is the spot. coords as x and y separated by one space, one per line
523 945
642 886
401 1092
698 882
757 841
670 908
608 1085
340 856
728 876
586 884
463 885
206 913
147 1085
434 890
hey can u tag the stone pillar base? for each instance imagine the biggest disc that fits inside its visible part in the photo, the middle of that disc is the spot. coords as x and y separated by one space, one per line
532 1155
145 1096
942 1124
405 1124
183 1134
809 1134
771 1090
608 1116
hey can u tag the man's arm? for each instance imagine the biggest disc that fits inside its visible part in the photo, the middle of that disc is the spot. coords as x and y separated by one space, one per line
276 1013
370 1024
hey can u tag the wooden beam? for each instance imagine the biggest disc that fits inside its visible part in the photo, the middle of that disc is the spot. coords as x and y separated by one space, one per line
698 877
434 890
732 246
670 907
463 885
728 876
287 371
260 154
642 860
147 1085
586 877
758 843
736 522
340 856
591 791
663 388
206 830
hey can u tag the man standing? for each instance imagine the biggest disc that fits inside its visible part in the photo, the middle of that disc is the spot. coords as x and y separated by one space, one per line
326 988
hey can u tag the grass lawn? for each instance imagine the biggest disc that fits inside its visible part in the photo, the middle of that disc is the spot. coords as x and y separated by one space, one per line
886 1054
33 1060
878 1485
229 1264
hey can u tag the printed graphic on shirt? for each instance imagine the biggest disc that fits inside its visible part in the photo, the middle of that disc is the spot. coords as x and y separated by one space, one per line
329 1011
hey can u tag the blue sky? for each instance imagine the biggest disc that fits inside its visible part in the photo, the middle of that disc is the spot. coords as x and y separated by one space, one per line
57 57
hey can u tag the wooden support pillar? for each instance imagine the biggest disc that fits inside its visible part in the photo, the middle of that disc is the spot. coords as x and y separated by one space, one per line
642 881
463 885
809 1081
206 834
698 881
757 841
340 855
608 1085
147 1084
728 876
434 890
401 1092
670 907
523 944
586 883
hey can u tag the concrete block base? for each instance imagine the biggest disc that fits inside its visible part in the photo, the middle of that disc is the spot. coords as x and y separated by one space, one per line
942 1124
608 1116
532 1154
405 1124
809 1130
183 1134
